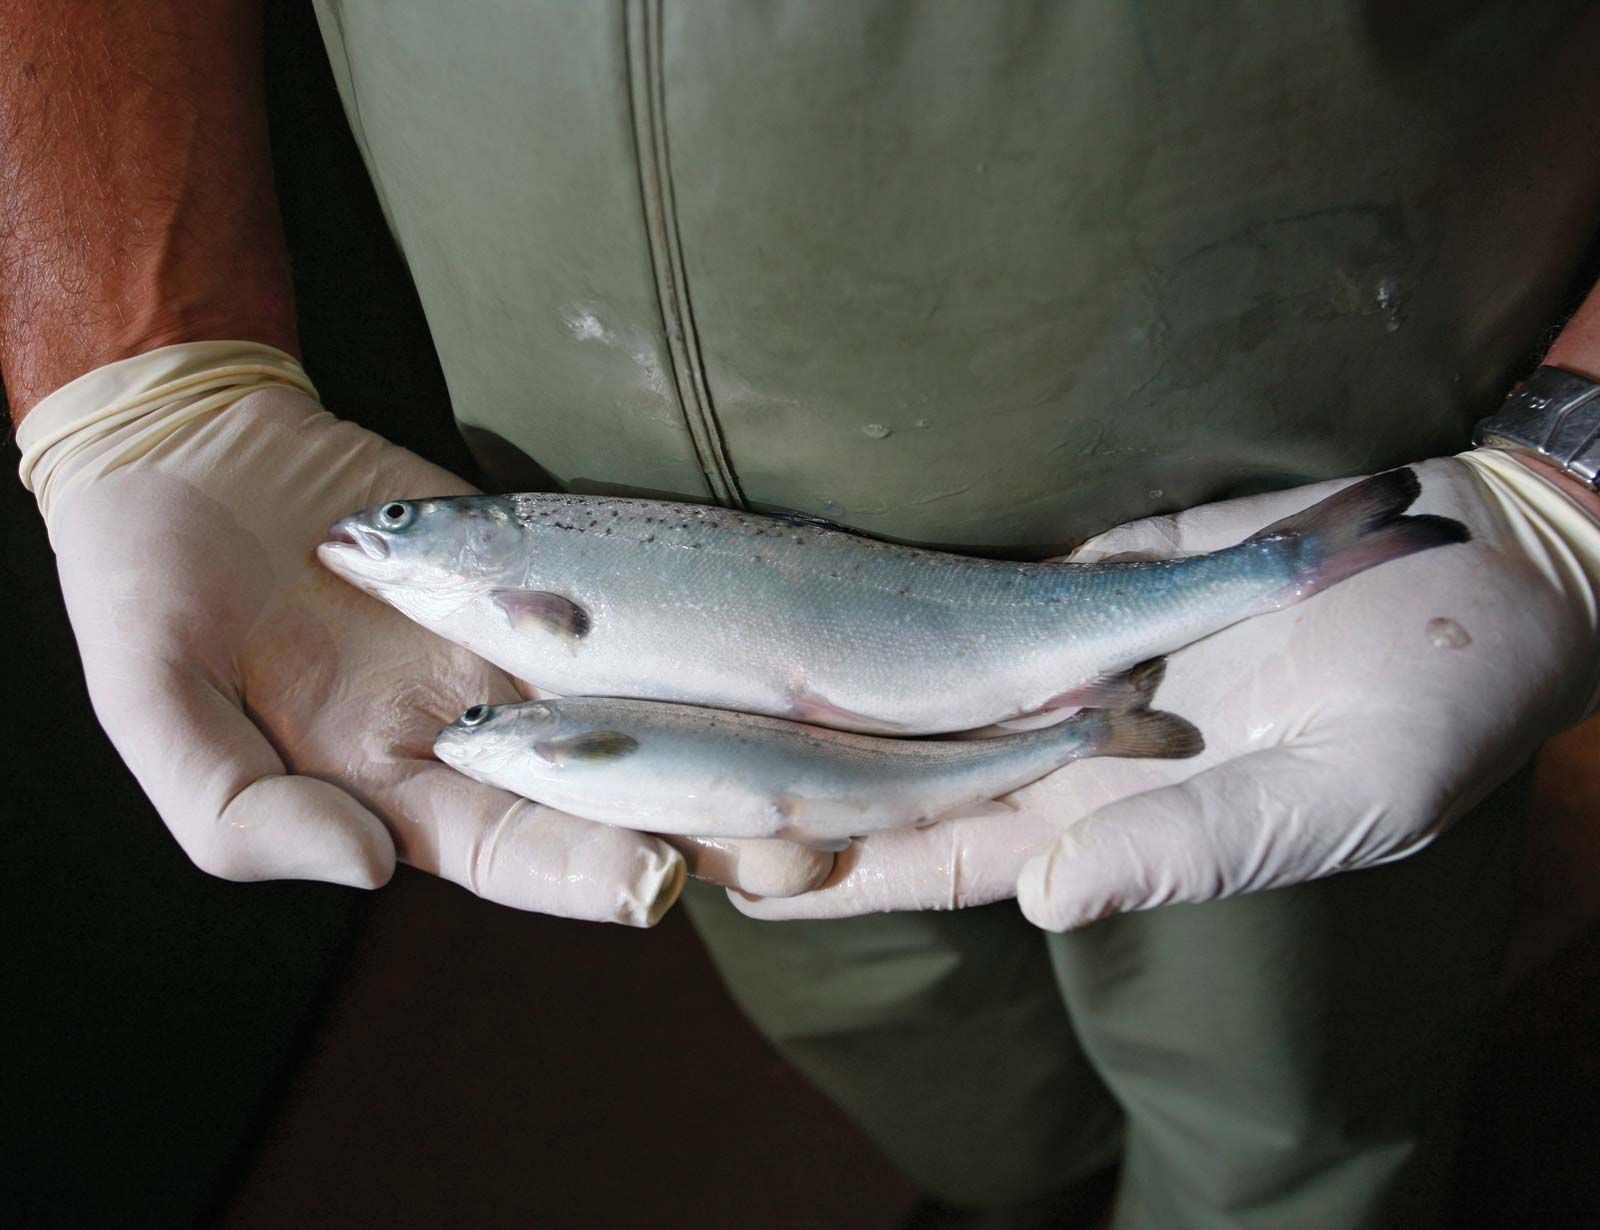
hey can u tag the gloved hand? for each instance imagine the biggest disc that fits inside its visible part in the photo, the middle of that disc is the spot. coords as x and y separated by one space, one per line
1343 732
280 720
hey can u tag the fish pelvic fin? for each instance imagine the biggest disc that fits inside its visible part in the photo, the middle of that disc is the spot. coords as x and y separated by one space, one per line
1356 529
1129 689
814 710
1146 734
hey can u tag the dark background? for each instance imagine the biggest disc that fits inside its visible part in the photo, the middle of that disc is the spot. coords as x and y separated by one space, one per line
183 1051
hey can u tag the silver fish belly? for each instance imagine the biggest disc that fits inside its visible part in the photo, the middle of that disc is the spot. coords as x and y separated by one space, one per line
669 768
636 598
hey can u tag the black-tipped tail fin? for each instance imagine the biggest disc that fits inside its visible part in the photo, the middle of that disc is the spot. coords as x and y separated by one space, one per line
1359 528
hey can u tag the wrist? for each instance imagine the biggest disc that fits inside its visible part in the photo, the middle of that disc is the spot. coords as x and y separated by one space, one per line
1578 492
117 413
36 368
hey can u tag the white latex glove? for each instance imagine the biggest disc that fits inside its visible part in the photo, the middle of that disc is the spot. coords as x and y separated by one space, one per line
280 720
1343 732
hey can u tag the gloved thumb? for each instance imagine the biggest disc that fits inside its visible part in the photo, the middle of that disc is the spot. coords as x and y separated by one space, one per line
760 867
1260 820
298 828
519 853
222 790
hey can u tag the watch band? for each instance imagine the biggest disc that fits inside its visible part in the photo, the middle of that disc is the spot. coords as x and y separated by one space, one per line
1554 414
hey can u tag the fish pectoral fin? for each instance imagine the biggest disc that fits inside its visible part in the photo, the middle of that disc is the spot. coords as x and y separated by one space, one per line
537 608
1129 689
803 836
594 746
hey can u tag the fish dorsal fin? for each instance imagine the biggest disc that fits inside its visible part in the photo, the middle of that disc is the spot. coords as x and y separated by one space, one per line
592 747
536 608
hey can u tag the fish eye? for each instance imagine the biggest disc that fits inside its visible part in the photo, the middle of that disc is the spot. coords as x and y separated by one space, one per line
396 515
475 716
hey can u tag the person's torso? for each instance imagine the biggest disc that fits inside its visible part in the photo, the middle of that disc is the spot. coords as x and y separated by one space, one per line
988 275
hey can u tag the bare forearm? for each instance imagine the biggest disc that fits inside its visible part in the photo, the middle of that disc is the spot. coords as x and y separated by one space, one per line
136 202
1577 346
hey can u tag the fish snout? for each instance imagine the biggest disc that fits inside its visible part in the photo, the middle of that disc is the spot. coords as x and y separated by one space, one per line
353 532
453 745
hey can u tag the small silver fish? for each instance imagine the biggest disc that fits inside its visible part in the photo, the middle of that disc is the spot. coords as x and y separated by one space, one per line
593 596
669 768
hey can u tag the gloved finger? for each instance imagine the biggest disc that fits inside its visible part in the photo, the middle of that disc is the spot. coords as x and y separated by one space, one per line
222 790
761 867
1268 818
522 854
1201 529
960 862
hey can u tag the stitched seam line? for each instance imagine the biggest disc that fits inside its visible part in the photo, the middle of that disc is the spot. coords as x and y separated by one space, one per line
642 39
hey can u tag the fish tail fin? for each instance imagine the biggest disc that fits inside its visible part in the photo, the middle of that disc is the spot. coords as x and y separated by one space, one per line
1147 734
1356 529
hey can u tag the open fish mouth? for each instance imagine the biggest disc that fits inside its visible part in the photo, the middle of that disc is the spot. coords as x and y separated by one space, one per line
352 533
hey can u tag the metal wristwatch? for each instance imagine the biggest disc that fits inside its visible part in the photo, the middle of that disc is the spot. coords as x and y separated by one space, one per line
1553 414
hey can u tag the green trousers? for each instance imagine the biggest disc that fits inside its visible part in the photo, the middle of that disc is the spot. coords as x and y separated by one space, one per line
1288 1059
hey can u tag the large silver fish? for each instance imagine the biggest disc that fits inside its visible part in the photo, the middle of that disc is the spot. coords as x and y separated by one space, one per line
669 768
594 596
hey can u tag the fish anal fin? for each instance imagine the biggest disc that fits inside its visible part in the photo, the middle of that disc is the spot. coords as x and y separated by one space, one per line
542 610
593 746
1129 689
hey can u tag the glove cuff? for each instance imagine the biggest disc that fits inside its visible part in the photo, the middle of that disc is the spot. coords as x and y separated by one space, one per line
114 414
1559 530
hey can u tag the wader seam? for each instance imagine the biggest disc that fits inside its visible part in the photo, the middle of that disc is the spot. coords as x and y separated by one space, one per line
642 39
